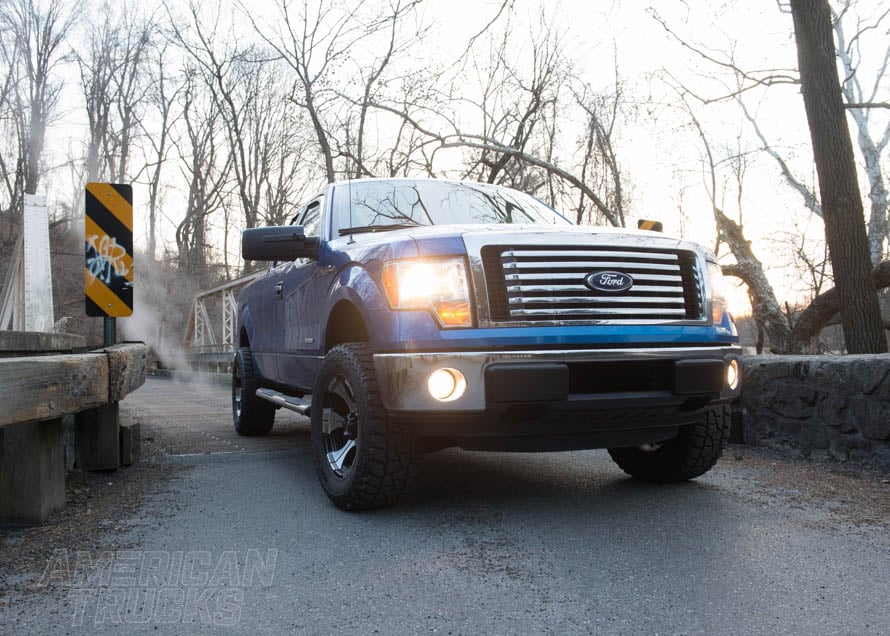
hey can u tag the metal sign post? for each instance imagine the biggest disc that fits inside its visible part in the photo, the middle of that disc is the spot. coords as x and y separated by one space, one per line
108 233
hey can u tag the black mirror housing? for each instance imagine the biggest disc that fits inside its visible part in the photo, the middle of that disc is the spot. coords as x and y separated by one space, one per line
277 243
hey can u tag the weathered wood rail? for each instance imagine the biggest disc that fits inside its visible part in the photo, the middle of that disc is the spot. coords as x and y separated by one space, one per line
36 388
36 393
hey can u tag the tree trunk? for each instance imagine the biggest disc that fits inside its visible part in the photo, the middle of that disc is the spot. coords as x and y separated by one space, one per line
825 306
838 185
749 269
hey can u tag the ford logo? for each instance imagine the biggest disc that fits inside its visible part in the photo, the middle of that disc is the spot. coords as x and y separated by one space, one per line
613 282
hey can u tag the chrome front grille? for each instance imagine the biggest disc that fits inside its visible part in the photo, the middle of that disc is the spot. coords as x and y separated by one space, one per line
531 283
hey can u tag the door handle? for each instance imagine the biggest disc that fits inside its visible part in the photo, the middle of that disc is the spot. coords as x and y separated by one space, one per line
279 291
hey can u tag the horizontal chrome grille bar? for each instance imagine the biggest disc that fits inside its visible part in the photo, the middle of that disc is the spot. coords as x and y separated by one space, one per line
595 300
660 289
574 276
586 311
651 256
591 265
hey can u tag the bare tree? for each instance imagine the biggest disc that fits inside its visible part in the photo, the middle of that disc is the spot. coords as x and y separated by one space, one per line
158 130
249 92
389 30
827 305
32 35
857 100
600 164
114 86
514 106
206 166
767 310
216 57
314 40
833 151
862 101
505 113
12 126
872 137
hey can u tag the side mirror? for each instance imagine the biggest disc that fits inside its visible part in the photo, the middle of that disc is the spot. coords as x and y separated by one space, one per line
277 243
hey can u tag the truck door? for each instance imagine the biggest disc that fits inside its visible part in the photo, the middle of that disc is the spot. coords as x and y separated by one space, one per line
298 308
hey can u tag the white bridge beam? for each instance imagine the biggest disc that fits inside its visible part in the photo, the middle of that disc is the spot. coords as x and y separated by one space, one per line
26 303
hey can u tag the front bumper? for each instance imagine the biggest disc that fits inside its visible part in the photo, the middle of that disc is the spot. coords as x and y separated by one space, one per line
599 379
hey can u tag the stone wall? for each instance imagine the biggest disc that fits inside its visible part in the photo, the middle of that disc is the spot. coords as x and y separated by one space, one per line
820 406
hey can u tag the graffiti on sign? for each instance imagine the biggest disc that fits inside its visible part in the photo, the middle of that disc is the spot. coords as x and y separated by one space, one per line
108 259
108 236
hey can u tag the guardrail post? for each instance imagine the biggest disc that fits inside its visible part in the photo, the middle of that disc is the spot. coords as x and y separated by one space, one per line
38 392
97 438
32 481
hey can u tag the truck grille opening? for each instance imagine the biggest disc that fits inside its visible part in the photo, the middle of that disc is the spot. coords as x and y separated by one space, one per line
532 283
621 377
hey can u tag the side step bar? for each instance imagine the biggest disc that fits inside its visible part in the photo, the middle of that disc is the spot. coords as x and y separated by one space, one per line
301 406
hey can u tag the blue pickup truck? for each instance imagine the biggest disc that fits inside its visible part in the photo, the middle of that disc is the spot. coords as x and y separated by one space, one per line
408 315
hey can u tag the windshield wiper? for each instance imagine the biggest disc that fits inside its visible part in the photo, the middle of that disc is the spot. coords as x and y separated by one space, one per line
361 229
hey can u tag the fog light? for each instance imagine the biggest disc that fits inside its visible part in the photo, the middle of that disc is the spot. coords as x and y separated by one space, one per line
732 374
446 385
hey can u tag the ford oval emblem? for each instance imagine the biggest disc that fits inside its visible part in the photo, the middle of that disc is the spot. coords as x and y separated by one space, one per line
612 282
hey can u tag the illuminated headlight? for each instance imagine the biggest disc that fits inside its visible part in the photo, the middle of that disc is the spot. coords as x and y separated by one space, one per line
447 385
732 374
439 285
718 293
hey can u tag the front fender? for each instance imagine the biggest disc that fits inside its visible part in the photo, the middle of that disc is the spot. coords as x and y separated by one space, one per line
356 284
245 326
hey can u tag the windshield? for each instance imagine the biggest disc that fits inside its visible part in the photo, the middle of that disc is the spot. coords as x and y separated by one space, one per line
366 206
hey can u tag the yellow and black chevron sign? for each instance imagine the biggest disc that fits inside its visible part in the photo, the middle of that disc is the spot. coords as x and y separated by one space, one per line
108 276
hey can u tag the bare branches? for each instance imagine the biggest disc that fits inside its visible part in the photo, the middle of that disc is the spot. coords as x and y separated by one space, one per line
811 202
867 105
859 102
312 42
748 268
824 309
750 79
461 140
36 34
114 87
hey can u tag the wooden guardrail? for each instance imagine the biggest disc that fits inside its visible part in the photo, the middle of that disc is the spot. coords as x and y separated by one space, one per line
36 393
35 388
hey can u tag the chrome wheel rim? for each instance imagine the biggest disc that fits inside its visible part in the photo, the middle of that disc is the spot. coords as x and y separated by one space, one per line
339 427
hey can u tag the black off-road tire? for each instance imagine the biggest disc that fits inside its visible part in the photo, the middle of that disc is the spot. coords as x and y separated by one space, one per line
692 453
363 459
252 415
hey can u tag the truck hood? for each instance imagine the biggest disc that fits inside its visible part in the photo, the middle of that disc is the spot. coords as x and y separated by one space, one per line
503 234
436 240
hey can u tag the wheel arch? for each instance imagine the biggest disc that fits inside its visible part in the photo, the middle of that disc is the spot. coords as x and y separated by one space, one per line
345 324
245 328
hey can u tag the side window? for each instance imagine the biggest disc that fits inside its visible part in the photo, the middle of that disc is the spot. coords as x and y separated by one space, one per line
311 218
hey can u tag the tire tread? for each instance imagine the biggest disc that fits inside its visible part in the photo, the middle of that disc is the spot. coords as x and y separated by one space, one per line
257 415
388 460
689 455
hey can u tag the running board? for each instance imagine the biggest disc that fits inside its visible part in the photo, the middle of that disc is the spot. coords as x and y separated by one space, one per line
301 406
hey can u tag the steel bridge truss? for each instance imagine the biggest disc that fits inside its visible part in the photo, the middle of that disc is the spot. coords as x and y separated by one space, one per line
212 344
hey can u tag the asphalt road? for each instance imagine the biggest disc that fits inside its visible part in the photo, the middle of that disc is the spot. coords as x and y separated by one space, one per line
240 539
